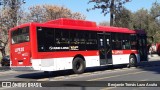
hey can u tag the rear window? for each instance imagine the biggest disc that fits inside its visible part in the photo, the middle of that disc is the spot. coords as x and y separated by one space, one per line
20 35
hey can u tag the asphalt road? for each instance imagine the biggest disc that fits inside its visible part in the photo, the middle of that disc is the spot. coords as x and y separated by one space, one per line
146 71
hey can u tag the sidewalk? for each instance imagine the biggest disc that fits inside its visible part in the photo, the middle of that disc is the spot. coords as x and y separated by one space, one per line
154 55
4 68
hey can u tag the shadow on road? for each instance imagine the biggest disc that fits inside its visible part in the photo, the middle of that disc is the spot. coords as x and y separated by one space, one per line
40 75
153 66
146 66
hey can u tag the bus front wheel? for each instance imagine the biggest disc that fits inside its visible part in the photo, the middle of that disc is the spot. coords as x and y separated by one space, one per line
78 65
132 61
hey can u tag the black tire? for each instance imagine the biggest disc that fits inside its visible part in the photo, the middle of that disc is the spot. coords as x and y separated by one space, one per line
132 61
110 66
46 72
78 65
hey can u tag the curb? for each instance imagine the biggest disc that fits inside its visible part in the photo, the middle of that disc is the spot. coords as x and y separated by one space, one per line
5 68
153 55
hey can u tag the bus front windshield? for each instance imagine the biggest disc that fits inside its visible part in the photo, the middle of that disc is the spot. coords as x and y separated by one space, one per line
20 35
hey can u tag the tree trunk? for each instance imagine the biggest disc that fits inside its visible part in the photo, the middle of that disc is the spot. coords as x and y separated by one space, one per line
3 52
111 19
112 13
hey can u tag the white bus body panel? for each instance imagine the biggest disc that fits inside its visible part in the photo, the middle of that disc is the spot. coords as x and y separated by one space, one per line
123 59
54 64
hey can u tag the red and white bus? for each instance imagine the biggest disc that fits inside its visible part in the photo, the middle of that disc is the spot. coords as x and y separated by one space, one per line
74 44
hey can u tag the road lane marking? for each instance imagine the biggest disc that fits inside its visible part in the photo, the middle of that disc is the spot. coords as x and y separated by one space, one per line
70 77
2 88
145 80
97 72
74 75
61 77
86 73
7 72
44 79
109 70
132 67
116 76
117 69
93 73
9 79
14 73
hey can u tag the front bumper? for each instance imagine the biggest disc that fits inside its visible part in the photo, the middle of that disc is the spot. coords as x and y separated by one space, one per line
22 68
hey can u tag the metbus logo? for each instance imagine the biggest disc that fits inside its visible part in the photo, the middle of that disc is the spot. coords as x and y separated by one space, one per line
118 52
19 49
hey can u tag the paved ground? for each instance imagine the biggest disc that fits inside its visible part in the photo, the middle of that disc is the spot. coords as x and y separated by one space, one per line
146 71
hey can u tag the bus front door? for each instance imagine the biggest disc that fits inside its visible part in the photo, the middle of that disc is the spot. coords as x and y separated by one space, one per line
105 53
142 48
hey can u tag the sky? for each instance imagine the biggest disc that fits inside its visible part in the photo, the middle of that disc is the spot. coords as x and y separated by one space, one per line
82 5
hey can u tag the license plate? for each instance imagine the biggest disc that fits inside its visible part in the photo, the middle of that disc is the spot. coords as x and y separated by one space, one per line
20 62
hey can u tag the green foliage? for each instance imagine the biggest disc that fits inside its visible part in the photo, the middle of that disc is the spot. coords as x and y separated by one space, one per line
148 20
109 6
143 19
155 10
123 18
104 23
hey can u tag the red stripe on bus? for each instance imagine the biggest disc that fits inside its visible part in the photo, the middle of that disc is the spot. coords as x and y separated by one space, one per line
120 52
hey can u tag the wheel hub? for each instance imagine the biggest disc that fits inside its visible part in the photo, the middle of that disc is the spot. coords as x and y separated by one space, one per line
132 60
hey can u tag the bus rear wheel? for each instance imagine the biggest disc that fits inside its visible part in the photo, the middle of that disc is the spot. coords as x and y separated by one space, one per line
78 65
132 61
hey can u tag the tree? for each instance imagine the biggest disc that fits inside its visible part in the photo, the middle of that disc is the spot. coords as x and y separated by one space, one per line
141 19
104 23
144 19
78 16
155 10
155 16
43 13
8 18
108 6
123 18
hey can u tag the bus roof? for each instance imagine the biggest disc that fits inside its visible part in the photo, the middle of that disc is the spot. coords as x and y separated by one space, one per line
81 25
72 22
88 25
116 29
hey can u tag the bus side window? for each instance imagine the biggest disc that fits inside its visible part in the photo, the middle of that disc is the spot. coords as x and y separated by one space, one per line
77 40
126 42
117 41
133 40
91 41
41 39
61 40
